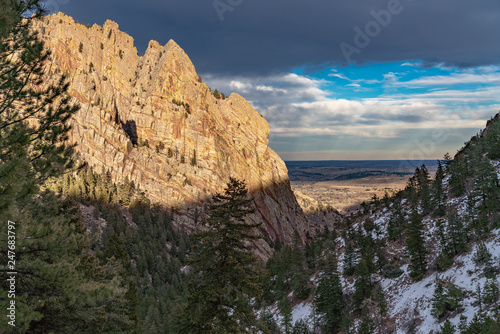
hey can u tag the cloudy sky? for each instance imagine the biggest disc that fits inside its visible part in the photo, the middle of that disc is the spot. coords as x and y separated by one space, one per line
336 79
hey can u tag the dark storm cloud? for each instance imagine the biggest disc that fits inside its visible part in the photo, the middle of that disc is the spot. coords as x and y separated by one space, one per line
260 36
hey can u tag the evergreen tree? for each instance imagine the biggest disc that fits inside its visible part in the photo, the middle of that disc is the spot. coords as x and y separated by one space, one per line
286 312
328 299
416 247
479 297
438 198
445 301
224 277
396 225
411 190
459 173
447 160
363 284
438 301
33 114
114 249
424 191
350 260
457 233
271 327
380 299
491 292
492 138
61 288
473 327
445 259
301 327
447 328
366 326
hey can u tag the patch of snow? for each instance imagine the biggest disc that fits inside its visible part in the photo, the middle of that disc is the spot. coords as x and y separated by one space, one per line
302 311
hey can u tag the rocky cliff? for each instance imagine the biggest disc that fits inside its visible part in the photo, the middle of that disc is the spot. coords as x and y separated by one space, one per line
151 119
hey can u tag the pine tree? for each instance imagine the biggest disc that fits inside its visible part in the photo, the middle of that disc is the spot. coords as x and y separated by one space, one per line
328 299
271 327
424 191
350 260
438 301
363 284
115 249
64 289
457 233
445 301
492 138
416 247
447 160
479 297
491 292
438 197
366 326
286 312
447 328
380 299
396 226
474 326
224 277
301 327
445 259
411 190
33 114
61 287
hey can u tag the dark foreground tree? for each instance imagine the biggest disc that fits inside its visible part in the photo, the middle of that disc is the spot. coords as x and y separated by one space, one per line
224 277
60 286
33 113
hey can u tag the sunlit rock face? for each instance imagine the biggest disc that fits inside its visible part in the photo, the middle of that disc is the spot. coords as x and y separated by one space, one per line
151 119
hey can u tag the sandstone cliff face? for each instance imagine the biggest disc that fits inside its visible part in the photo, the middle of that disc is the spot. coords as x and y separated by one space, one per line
127 100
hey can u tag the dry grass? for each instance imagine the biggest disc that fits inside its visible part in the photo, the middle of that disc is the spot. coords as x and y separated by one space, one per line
345 195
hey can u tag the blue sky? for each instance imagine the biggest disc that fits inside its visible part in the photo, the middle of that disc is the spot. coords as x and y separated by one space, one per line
398 110
364 79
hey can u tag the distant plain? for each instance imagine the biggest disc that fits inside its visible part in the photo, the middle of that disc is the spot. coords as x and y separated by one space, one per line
344 185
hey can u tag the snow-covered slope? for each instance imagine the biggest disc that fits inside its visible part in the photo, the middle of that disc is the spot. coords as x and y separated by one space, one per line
409 302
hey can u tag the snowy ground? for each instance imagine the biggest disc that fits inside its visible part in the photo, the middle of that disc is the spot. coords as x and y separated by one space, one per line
411 302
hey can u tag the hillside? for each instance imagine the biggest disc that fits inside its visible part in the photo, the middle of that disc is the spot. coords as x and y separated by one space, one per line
426 260
150 119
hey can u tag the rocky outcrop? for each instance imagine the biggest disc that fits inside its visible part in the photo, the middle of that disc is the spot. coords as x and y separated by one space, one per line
151 119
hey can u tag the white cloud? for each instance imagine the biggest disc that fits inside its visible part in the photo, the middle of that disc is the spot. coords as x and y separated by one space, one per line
297 106
452 79
411 64
238 85
340 76
269 89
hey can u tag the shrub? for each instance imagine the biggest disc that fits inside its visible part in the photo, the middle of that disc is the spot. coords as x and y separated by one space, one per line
391 271
193 159
447 300
491 292
482 255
